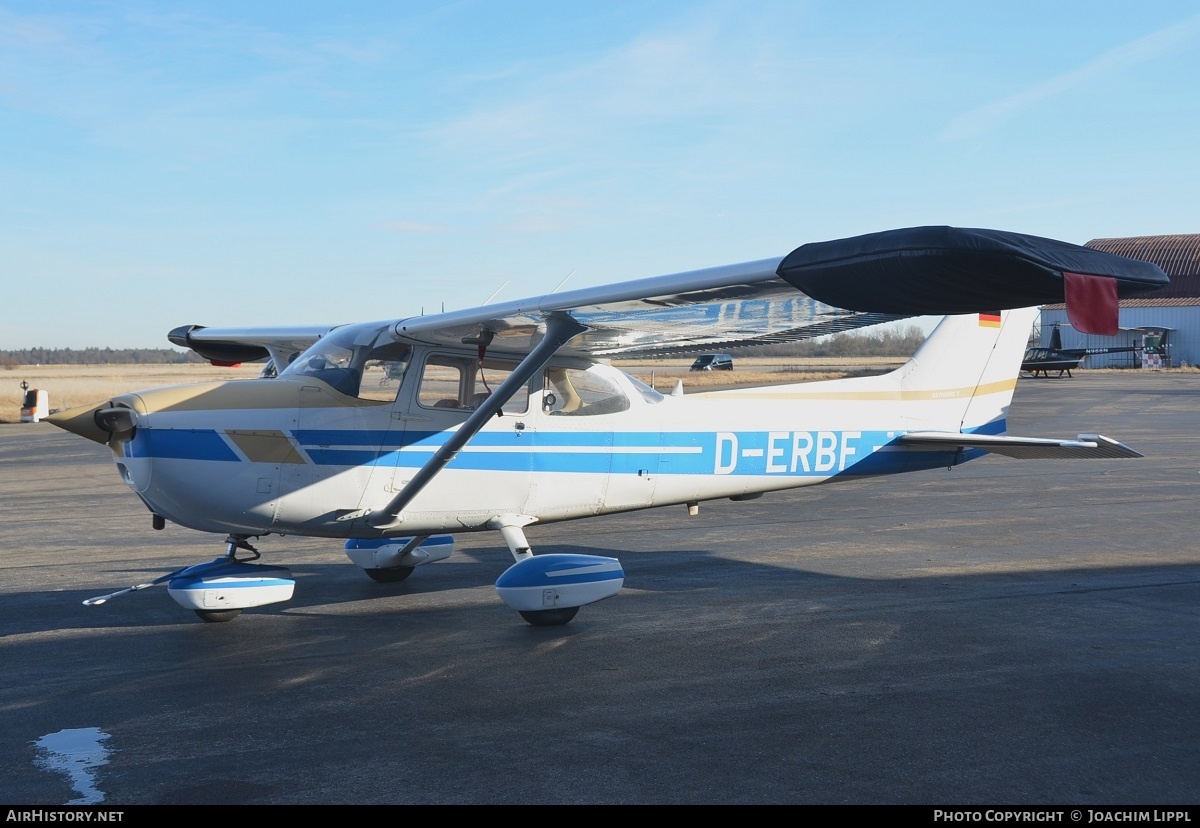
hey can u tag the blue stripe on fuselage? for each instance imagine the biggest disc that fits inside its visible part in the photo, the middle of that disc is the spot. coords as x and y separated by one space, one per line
180 444
801 453
756 453
374 439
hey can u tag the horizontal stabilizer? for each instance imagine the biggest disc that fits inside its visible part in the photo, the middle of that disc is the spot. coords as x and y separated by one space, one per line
1083 447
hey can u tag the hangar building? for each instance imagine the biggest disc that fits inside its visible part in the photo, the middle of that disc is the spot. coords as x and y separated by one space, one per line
1164 323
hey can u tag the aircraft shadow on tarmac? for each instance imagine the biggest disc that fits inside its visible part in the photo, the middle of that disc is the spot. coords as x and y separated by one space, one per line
1045 669
326 585
693 578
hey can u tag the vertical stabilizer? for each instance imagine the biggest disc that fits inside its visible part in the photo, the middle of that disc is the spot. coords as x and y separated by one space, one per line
967 369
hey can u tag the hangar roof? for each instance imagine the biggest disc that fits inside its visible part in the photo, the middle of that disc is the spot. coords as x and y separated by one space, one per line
1178 255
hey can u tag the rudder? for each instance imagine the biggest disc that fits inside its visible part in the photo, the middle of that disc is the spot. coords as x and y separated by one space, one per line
972 358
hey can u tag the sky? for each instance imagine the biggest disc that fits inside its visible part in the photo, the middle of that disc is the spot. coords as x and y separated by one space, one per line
293 163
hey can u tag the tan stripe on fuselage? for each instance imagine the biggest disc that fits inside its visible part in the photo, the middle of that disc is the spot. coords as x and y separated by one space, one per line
265 446
242 395
762 393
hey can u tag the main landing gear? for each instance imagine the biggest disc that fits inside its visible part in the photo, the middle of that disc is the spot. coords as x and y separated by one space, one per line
390 576
548 590
549 618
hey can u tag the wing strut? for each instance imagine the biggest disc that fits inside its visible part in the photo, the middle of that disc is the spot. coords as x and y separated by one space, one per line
560 329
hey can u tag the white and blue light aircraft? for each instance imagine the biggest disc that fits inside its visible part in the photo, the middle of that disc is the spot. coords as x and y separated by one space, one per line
394 435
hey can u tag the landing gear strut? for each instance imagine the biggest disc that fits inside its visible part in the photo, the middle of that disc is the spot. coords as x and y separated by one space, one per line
235 542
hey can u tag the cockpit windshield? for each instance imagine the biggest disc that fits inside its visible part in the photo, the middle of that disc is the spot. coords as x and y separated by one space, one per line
357 360
648 393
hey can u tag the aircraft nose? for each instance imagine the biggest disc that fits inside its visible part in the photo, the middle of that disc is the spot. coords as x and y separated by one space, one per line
100 423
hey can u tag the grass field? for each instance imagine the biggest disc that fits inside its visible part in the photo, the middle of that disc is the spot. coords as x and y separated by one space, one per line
72 385
663 374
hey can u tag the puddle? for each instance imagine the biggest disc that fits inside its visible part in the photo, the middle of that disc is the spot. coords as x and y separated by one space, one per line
77 753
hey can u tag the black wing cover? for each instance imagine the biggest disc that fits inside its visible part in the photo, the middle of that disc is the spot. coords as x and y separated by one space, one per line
950 270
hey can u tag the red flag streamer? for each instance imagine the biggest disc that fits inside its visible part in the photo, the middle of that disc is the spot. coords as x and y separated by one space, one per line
1092 303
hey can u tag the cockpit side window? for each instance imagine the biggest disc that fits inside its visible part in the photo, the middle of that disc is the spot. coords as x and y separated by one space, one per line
442 382
384 371
463 384
573 392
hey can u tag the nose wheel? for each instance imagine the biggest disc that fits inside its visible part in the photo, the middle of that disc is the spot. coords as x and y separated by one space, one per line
232 544
219 590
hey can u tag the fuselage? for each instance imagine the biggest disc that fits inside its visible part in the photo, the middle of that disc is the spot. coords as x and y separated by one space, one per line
334 441
294 455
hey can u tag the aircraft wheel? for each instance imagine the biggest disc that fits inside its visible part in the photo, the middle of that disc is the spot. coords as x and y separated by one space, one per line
218 616
394 575
549 618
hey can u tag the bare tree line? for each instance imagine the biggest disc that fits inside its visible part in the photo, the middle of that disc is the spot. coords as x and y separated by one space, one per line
95 356
883 343
879 343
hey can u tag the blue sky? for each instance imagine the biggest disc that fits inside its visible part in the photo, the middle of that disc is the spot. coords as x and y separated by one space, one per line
268 163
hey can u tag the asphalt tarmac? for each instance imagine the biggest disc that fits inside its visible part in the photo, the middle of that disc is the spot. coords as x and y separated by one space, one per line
1016 632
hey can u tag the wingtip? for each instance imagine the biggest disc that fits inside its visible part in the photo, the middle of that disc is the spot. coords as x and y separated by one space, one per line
1112 447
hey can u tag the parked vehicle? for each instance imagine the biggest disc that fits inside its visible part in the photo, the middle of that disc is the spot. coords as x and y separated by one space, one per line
713 362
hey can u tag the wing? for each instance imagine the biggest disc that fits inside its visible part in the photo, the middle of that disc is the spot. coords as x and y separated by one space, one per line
715 309
229 346
815 290
1085 446
718 308
951 270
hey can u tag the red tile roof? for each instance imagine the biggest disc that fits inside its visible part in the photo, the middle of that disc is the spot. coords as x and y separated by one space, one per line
1178 255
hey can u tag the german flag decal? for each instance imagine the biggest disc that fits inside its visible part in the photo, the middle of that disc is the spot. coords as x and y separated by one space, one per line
990 319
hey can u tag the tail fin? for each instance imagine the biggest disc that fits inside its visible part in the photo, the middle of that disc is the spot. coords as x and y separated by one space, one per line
973 359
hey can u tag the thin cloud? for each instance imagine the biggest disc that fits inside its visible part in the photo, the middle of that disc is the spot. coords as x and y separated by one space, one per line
990 116
413 228
705 70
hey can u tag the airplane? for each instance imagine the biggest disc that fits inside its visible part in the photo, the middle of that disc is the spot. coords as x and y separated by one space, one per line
1042 361
393 436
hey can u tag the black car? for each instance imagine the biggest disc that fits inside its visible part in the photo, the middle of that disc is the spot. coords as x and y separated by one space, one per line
713 362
